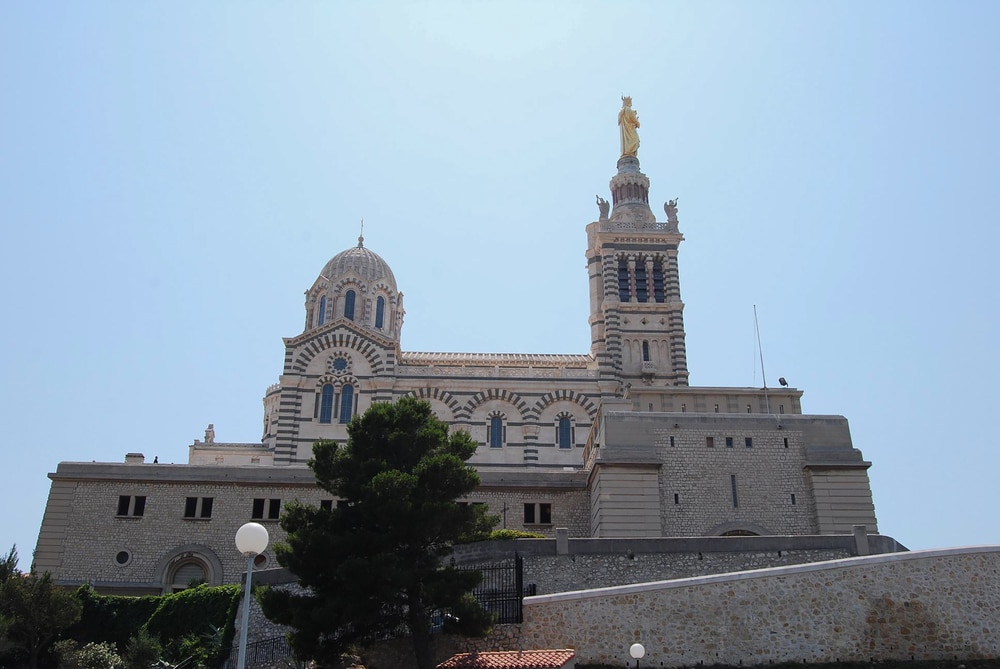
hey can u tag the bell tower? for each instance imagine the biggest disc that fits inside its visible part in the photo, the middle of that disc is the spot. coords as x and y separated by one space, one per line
636 312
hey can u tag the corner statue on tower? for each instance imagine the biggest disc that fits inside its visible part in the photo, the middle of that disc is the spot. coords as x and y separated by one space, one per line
628 124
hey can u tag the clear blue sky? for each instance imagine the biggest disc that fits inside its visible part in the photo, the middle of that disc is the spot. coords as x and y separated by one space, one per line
173 176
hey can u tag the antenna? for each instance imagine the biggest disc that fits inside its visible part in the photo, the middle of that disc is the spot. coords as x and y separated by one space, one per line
767 403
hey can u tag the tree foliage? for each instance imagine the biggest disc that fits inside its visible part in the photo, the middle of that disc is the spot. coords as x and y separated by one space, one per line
372 565
34 610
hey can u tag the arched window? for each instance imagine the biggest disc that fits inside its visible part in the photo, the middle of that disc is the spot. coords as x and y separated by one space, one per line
186 575
565 433
349 305
495 436
326 404
322 311
346 403
645 351
379 311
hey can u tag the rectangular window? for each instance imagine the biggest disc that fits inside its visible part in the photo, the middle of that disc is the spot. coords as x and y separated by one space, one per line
258 509
131 505
273 509
677 498
206 506
671 442
191 507
781 408
624 290
326 504
658 281
786 442
748 408
729 442
749 442
537 513
732 483
710 442
716 408
650 406
641 292
793 499
684 408
198 507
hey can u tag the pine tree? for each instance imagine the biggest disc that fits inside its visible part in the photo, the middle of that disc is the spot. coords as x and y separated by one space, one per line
372 563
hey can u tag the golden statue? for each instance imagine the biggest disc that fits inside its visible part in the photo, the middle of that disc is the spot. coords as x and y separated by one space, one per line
628 124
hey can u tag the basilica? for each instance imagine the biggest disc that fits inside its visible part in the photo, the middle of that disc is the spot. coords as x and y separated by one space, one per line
611 443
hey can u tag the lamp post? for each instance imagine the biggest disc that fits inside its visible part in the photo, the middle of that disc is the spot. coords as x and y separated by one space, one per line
251 540
637 651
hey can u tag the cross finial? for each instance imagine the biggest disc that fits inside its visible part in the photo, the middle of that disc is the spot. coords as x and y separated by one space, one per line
361 237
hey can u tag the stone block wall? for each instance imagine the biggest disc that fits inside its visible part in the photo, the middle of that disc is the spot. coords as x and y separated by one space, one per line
924 605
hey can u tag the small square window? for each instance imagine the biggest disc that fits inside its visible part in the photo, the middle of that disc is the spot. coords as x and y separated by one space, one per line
326 504
729 442
749 442
131 505
537 513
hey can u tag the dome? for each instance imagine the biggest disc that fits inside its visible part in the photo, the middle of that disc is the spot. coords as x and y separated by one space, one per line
360 261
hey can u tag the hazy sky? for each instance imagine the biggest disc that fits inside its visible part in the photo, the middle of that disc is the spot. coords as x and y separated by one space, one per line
173 176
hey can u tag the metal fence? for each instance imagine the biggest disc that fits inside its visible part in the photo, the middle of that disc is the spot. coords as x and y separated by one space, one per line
503 589
268 651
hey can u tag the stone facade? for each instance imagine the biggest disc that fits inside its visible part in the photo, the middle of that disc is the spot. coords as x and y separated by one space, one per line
609 443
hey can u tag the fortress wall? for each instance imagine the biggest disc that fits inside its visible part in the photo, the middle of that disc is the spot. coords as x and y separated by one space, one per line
927 605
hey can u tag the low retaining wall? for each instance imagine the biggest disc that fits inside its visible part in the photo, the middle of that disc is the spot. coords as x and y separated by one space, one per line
925 605
564 564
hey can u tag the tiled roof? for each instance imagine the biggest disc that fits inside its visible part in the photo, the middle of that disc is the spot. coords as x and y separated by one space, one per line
512 659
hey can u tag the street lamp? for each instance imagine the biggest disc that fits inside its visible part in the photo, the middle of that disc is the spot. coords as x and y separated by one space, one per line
637 651
251 540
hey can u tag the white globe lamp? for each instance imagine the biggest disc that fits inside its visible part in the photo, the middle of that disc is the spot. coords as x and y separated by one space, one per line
251 541
637 651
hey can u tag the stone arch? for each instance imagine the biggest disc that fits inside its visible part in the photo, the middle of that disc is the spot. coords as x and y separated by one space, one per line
334 340
442 396
189 554
563 396
509 396
737 528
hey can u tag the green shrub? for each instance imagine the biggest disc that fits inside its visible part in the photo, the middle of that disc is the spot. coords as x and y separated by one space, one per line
101 655
504 535
142 651
114 618
198 620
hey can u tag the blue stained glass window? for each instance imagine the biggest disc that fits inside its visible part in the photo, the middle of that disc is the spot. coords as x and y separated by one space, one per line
346 403
379 311
322 311
349 305
496 432
565 433
326 404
